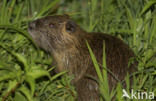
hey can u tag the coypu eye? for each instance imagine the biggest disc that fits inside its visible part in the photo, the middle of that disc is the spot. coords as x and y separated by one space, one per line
51 25
70 26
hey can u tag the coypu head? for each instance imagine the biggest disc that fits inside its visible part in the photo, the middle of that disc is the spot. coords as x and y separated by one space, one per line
54 33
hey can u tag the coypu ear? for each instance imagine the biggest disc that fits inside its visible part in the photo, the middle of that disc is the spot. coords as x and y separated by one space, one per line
70 26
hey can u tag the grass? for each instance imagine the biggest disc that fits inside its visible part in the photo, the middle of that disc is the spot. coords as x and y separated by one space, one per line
23 67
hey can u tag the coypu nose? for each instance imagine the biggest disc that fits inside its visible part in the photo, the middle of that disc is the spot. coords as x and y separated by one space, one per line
32 25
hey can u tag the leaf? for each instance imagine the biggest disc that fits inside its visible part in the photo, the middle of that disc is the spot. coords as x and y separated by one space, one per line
24 90
143 81
20 8
38 73
46 8
20 58
130 18
12 84
11 9
19 97
4 66
51 79
105 79
147 6
154 73
3 11
97 68
9 75
119 93
23 32
11 87
154 29
23 60
31 81
1 86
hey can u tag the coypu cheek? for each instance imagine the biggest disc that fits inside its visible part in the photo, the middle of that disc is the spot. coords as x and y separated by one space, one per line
43 41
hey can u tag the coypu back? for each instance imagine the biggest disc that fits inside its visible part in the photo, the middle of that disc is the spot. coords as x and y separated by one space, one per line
66 42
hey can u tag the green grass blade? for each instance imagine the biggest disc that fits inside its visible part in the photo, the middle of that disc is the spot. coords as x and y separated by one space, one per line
23 32
105 89
46 8
147 6
97 68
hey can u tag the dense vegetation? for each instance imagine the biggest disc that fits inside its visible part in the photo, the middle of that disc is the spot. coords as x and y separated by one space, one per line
24 73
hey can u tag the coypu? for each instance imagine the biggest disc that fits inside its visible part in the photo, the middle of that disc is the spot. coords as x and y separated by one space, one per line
66 42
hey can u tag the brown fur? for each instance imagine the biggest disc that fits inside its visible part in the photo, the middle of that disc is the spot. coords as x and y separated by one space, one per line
66 42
